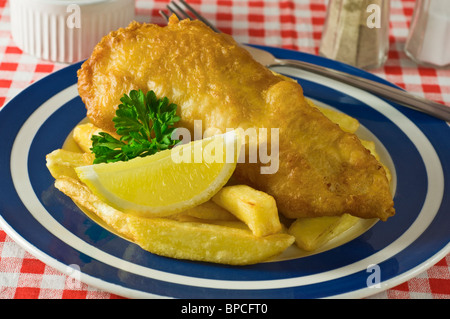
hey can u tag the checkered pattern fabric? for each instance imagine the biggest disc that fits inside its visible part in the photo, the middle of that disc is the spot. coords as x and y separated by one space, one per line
292 24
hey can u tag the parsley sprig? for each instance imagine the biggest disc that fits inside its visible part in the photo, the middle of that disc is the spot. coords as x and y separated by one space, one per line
145 125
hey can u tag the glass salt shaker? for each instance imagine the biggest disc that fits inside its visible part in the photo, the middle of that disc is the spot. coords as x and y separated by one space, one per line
428 41
356 32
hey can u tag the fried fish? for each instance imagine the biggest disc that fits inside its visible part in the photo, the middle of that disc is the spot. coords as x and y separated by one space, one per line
323 170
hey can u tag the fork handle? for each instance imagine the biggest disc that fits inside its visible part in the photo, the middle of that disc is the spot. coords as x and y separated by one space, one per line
393 94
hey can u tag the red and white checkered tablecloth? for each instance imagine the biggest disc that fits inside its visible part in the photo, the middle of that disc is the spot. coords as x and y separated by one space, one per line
292 24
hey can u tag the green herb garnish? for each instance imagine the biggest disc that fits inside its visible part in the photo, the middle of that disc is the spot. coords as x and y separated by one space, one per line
145 124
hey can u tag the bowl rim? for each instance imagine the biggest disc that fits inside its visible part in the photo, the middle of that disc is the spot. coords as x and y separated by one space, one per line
80 3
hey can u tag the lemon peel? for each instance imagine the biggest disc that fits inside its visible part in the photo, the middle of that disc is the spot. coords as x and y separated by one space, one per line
167 182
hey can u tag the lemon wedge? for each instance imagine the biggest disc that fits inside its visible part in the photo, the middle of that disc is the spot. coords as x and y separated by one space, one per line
167 182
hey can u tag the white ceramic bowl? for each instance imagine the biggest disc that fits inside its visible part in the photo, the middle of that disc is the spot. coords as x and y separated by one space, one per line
66 30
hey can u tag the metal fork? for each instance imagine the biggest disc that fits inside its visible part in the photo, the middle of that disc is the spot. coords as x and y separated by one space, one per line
267 59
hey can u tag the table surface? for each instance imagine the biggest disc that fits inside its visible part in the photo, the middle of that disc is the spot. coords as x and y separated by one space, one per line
288 24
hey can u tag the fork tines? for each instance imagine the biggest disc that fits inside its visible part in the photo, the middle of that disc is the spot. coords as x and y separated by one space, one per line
181 11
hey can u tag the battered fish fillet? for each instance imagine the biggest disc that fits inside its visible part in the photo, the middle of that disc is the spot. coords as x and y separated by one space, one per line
323 171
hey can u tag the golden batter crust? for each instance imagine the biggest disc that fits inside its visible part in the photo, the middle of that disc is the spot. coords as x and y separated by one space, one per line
322 169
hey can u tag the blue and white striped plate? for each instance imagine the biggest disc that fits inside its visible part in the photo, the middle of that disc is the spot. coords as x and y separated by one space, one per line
414 146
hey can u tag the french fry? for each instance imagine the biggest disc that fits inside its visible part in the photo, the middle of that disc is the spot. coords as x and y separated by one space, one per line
256 209
219 237
209 211
83 196
62 163
219 241
313 232
347 123
205 241
227 242
82 134
370 145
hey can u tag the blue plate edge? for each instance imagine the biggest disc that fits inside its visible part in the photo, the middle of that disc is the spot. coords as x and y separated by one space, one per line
268 48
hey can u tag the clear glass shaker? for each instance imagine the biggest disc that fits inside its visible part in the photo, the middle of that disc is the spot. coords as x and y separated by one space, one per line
428 41
356 32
